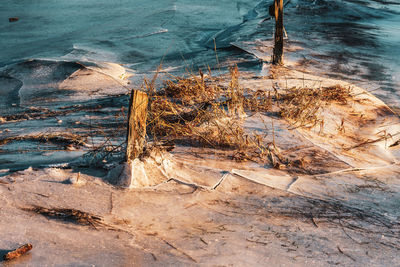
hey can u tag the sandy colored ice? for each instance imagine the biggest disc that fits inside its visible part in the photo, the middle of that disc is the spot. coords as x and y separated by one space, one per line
207 209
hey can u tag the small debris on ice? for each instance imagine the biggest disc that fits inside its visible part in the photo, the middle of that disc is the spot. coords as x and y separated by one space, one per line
18 252
77 180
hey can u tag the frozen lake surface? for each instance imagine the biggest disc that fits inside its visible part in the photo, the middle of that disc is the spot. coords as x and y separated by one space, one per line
350 40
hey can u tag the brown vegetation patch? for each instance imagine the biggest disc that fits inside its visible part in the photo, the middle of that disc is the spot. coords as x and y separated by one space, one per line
203 112
192 109
195 89
301 106
66 139
69 215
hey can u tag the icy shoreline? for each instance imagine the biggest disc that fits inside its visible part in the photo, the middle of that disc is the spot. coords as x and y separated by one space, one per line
211 209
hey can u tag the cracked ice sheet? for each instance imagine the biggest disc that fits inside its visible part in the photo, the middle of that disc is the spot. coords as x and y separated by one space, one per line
240 222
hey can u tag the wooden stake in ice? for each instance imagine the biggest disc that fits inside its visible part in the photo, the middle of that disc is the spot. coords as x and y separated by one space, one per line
277 57
132 174
136 133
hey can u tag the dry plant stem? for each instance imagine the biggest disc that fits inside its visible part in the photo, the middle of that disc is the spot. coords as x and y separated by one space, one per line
179 250
235 93
18 252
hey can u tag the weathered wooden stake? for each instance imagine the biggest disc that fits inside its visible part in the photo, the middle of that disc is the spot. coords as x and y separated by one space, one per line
277 57
136 133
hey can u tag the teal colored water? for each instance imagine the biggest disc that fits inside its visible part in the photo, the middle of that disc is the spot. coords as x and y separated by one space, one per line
122 31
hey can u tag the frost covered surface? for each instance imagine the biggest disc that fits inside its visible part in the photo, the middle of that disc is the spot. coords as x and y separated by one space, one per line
340 207
238 222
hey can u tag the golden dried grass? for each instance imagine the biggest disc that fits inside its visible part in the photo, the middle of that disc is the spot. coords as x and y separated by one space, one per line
302 106
200 110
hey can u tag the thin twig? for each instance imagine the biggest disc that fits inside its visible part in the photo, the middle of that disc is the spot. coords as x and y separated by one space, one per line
178 249
347 255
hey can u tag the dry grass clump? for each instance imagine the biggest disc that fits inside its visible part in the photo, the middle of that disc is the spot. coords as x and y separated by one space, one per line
336 93
258 101
195 89
70 215
200 111
302 106
191 108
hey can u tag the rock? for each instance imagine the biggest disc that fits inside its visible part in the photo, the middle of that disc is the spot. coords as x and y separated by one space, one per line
13 19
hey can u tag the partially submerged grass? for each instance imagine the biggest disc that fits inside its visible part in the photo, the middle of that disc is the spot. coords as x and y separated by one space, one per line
64 139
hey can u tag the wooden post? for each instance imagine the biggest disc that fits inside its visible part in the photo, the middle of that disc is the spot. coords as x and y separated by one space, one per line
136 133
277 57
